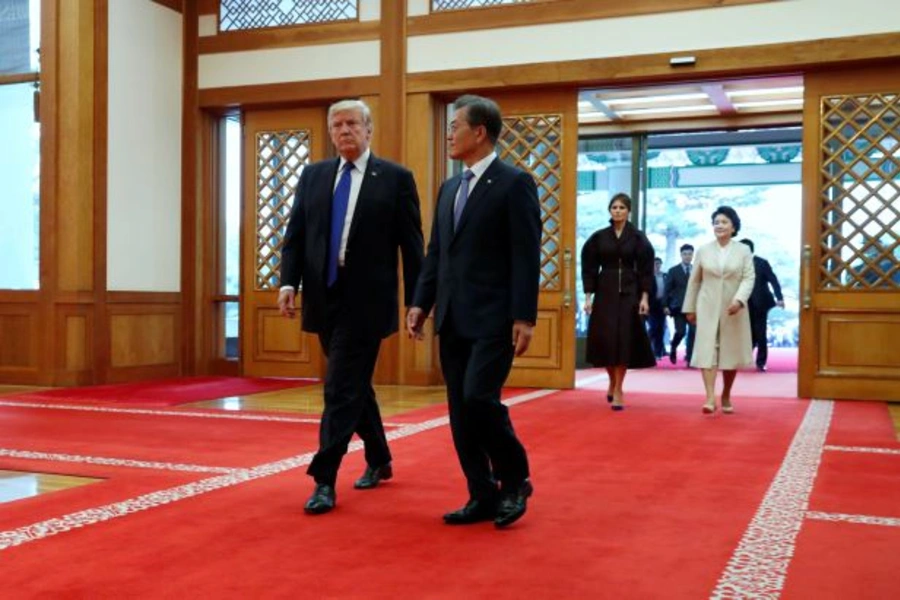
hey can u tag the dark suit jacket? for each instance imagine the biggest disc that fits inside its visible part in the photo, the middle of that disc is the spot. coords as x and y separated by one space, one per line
761 299
386 218
488 270
676 286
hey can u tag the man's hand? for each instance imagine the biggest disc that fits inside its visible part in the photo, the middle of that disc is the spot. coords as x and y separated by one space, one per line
691 318
286 303
521 336
644 307
415 319
735 307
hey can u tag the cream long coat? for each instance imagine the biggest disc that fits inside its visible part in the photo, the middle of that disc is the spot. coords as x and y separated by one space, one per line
723 341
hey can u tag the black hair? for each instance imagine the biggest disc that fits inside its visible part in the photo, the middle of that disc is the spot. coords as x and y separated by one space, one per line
481 111
731 215
685 247
621 197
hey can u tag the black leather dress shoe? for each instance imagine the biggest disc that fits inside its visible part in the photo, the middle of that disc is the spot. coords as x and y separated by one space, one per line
761 368
475 511
373 476
321 501
513 504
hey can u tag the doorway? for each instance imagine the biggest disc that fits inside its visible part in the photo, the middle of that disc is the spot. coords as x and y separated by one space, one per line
678 172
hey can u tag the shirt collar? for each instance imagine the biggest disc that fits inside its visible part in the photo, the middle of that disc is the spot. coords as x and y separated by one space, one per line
360 163
482 165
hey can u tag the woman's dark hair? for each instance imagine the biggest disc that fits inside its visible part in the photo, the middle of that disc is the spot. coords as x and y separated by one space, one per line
623 198
732 216
481 111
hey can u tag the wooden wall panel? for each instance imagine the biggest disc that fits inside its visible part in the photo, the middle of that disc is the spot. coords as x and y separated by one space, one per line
860 343
74 351
19 337
543 352
18 332
277 339
145 338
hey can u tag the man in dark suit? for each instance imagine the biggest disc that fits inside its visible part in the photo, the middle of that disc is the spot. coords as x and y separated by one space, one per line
656 317
482 274
760 303
676 286
350 216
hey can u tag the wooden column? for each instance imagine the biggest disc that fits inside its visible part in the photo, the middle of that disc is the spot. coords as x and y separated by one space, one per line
191 230
389 143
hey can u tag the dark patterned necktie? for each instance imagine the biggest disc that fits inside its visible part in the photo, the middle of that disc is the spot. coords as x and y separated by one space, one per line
462 196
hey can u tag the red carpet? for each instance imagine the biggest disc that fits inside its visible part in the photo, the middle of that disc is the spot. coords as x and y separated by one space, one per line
165 392
848 560
648 502
781 360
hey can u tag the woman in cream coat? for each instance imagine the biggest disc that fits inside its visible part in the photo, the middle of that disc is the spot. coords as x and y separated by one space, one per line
716 300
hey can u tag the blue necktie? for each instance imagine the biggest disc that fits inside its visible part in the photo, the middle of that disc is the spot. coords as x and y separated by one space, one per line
338 214
461 196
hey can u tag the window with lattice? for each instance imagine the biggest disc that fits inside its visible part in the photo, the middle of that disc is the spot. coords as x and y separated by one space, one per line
280 158
534 144
235 15
447 5
860 192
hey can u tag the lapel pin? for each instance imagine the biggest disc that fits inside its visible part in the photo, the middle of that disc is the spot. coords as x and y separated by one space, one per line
489 181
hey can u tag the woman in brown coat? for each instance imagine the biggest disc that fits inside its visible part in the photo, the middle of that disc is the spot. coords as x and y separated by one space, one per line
617 273
716 300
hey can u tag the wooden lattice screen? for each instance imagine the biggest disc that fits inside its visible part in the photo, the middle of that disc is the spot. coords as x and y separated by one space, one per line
280 158
534 144
860 192
444 5
259 14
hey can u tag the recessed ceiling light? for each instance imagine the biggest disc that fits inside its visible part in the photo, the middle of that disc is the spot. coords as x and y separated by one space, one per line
654 99
666 109
765 91
765 103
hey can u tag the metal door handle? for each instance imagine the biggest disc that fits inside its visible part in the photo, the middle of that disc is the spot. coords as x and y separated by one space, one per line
807 259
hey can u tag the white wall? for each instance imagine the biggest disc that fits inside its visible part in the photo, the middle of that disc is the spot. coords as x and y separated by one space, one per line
721 27
302 63
144 147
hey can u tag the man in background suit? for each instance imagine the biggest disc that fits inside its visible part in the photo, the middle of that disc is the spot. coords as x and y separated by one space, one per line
676 286
482 274
656 318
350 216
760 303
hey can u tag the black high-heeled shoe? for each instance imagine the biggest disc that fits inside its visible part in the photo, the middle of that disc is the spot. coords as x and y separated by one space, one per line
609 397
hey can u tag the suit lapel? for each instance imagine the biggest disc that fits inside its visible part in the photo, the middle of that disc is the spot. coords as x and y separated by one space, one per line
445 205
323 195
474 203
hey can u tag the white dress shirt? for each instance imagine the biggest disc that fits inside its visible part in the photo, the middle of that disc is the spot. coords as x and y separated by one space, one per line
478 170
356 177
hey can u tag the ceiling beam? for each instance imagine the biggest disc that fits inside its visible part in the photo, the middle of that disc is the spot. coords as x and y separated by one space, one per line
600 106
717 96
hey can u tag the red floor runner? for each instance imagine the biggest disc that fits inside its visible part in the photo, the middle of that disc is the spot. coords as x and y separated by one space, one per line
843 561
165 392
648 502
